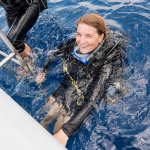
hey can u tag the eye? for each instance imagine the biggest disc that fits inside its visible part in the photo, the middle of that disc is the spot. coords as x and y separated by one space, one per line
89 36
78 34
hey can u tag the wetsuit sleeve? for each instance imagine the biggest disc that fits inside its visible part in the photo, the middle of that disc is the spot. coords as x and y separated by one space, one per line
23 24
61 52
75 122
97 85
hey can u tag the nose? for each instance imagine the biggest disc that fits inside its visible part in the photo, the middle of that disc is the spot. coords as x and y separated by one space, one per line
82 40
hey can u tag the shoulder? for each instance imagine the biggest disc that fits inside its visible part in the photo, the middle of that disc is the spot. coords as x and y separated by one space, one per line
114 47
68 45
117 37
115 41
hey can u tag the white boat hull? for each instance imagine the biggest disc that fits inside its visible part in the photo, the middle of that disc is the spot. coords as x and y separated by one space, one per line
19 131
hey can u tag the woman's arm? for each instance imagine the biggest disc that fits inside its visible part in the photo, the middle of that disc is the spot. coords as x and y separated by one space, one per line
97 85
69 128
61 52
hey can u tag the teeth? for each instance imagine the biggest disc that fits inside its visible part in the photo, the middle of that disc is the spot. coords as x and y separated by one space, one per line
83 46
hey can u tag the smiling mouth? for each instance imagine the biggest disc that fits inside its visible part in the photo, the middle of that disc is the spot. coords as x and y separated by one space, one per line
83 46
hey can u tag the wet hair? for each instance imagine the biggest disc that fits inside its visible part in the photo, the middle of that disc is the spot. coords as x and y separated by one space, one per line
94 20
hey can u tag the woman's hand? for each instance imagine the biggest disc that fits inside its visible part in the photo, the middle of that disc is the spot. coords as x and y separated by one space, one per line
61 137
40 77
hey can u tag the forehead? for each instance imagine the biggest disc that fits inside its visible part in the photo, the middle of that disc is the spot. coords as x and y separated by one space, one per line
84 28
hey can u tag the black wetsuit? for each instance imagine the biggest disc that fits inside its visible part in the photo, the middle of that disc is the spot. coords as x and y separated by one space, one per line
21 16
92 79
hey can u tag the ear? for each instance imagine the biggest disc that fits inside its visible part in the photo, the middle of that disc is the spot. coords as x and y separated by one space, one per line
101 37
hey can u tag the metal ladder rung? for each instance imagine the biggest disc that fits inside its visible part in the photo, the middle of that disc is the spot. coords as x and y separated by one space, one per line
6 55
23 62
6 59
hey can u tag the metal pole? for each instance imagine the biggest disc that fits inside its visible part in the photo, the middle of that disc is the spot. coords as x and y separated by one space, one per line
5 55
10 56
27 67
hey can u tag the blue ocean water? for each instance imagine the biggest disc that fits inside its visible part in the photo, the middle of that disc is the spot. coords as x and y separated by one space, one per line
124 125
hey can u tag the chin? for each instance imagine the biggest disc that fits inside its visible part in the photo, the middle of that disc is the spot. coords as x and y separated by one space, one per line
85 51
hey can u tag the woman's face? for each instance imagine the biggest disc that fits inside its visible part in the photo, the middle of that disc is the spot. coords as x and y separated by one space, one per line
87 38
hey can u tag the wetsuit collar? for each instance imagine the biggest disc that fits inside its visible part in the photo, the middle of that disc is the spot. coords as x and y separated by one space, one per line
85 58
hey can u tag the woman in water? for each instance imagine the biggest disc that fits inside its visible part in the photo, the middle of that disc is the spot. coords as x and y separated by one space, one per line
91 63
